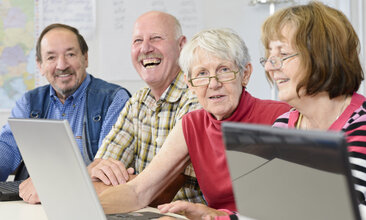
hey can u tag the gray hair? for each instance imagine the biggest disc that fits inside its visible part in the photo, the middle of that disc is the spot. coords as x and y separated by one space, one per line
223 43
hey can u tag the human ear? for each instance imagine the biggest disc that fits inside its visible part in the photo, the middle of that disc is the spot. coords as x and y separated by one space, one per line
246 75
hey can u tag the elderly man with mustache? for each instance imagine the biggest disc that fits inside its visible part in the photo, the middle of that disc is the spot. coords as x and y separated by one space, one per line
90 105
152 112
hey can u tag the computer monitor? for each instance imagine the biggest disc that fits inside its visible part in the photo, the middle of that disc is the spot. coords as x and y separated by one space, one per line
289 174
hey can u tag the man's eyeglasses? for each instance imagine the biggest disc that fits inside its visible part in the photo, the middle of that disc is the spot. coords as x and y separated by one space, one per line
276 62
220 77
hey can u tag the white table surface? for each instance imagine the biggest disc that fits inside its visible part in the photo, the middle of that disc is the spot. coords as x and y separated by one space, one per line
19 210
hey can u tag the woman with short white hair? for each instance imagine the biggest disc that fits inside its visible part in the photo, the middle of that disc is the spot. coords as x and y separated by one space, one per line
217 69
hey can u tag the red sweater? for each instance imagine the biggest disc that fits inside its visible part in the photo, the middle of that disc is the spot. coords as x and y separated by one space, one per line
203 136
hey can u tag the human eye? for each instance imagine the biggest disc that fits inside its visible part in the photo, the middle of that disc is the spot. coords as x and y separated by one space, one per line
224 69
50 58
156 38
137 40
201 74
70 54
284 54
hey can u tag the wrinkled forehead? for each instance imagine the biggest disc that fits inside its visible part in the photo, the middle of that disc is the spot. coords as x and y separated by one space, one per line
203 56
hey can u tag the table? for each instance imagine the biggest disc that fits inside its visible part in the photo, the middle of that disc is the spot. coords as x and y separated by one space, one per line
19 210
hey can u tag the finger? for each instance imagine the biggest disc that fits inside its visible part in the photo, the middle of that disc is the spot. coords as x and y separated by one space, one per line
174 207
164 208
112 174
120 171
34 199
130 171
23 189
24 184
100 175
207 217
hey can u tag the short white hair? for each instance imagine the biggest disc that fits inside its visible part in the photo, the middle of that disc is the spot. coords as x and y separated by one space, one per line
222 43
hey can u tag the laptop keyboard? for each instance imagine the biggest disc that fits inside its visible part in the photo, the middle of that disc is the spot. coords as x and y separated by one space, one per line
135 215
9 191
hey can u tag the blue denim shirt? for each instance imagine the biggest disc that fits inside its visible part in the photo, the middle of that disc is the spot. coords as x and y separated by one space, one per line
72 110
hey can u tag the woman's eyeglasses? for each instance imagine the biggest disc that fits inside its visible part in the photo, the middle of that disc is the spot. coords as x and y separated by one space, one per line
276 62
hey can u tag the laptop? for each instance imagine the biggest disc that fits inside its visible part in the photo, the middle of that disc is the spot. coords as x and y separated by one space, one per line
289 174
58 172
9 191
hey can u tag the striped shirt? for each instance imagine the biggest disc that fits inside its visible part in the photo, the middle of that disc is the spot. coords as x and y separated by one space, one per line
142 127
353 123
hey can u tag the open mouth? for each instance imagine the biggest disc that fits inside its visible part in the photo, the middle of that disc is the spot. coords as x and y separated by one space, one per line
151 62
280 81
64 75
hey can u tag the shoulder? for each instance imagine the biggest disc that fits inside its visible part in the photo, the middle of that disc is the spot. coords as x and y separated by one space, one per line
37 91
193 119
98 85
283 120
272 105
269 110
190 98
194 115
140 95
358 118
36 97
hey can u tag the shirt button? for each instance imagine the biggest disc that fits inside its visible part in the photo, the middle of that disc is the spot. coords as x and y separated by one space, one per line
63 114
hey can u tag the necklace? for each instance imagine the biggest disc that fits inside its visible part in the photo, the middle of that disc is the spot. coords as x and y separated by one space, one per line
305 126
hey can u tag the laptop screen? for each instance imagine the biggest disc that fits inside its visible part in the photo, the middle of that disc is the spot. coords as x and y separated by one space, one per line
289 174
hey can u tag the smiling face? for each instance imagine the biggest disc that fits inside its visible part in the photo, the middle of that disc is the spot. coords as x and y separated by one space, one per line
219 99
289 75
62 62
155 49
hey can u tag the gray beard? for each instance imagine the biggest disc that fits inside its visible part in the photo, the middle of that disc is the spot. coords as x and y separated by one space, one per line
67 92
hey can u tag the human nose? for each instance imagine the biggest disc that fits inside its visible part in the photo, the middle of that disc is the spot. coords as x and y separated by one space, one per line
146 47
271 64
62 63
213 82
268 66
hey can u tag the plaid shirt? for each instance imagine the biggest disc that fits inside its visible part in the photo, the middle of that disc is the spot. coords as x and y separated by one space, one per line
142 127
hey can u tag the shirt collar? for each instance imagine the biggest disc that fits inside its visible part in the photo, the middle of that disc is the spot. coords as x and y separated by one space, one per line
78 94
172 94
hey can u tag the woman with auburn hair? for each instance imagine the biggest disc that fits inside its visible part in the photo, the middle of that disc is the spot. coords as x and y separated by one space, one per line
312 55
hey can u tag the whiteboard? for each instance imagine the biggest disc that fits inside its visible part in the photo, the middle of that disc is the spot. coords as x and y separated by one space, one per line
115 25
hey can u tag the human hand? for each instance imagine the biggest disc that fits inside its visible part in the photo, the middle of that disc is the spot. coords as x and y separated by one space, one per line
28 193
191 210
109 171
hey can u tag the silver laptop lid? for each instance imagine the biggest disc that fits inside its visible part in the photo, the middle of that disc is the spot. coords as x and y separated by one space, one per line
289 174
57 169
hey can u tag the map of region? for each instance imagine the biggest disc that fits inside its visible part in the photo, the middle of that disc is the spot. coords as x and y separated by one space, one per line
17 50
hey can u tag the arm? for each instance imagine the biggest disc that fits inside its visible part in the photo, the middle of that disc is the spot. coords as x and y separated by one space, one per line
113 112
117 147
10 157
356 140
164 168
